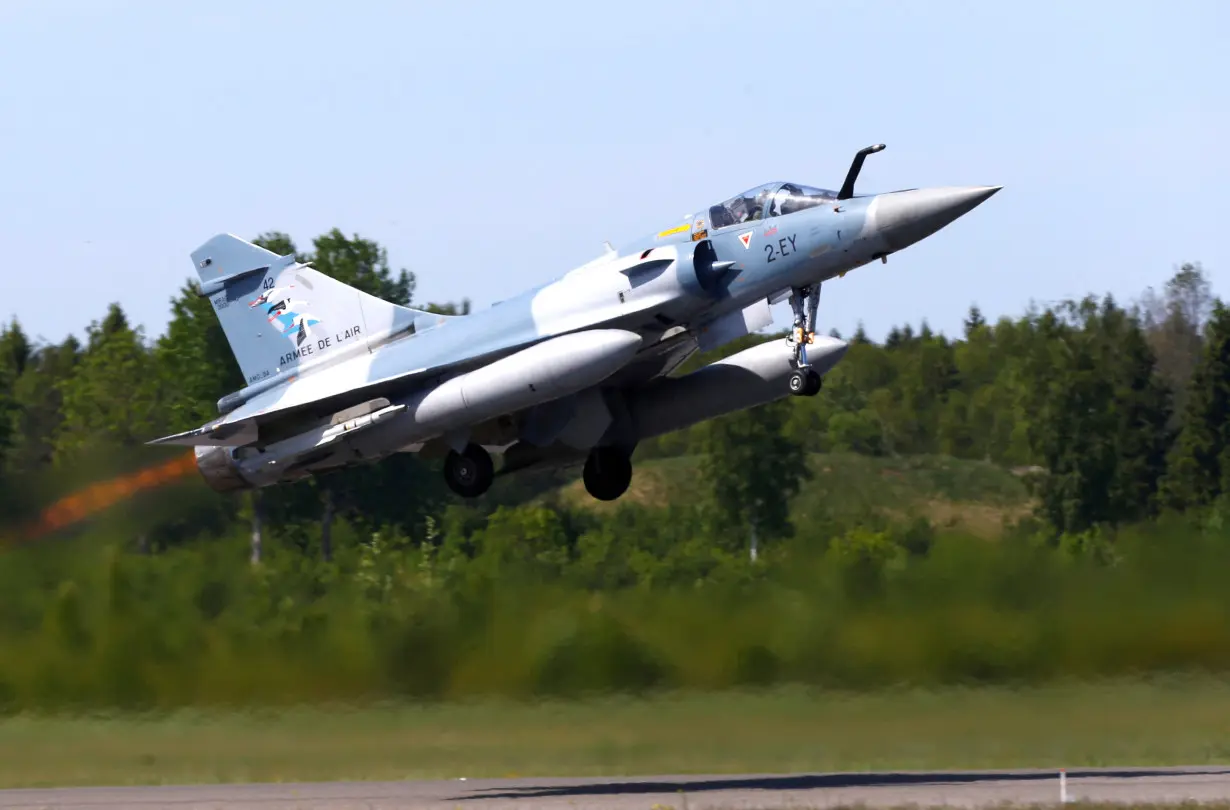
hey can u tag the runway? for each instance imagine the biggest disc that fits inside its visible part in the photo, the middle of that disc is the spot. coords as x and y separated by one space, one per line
953 788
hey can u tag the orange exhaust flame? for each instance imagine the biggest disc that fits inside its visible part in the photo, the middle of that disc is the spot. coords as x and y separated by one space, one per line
105 494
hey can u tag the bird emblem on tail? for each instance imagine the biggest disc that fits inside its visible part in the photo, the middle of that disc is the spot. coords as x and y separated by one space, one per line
287 314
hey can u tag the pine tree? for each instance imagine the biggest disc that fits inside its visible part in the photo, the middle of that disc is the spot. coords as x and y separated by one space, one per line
1142 407
974 321
1099 417
1199 465
15 349
1174 323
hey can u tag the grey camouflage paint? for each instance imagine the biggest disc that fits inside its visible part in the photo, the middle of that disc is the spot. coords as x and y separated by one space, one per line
311 346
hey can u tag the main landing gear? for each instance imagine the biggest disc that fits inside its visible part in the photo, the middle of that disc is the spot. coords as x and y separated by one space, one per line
470 472
804 301
608 472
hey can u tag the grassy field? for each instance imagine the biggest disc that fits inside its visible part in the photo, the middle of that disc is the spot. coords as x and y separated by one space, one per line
1162 722
971 496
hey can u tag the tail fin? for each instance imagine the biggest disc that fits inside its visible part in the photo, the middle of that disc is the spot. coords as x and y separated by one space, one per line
278 314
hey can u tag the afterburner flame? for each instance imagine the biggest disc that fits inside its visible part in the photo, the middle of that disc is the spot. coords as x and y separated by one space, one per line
105 494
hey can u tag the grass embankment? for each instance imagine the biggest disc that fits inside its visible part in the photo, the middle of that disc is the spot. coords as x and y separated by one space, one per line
968 496
1121 723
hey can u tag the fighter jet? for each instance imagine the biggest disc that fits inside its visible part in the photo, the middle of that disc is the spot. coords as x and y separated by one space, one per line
575 372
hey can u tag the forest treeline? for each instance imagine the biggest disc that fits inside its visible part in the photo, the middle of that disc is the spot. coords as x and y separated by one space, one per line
375 581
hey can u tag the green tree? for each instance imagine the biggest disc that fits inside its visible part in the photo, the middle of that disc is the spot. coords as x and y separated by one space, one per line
1142 414
974 321
1174 322
15 351
15 348
195 359
1199 464
361 263
753 469
1101 413
37 399
926 373
113 398
280 243
8 417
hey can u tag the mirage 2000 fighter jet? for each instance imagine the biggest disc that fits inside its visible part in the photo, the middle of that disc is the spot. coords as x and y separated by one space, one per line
577 370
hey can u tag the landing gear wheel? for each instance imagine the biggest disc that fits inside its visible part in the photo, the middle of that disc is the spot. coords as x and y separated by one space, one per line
805 382
814 383
470 472
799 382
608 472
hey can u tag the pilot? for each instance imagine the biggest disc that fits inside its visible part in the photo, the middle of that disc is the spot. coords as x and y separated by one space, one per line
758 205
738 209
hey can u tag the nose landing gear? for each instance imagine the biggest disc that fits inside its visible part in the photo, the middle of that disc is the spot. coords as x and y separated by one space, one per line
804 382
804 301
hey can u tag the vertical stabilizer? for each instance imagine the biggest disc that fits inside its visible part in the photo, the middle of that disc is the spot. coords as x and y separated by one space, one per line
279 315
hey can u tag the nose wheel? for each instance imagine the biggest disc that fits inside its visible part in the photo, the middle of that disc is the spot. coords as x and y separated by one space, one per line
470 472
804 301
805 382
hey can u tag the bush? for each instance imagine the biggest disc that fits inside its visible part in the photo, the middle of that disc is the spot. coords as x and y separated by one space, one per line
541 603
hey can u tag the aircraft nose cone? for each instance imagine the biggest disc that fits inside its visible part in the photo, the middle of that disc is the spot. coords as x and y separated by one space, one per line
905 217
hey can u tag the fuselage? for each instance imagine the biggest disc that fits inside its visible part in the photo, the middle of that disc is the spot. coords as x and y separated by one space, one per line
767 246
577 365
771 253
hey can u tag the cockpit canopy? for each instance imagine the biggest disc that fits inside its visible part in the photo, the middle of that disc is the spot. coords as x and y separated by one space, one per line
769 200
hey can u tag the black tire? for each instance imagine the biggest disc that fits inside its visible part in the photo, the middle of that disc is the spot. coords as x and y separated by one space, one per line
814 383
607 474
798 382
470 472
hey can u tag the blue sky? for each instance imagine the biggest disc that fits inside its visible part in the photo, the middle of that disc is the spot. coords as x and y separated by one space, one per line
491 146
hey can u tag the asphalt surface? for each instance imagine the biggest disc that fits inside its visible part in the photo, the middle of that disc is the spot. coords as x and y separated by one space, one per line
955 788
